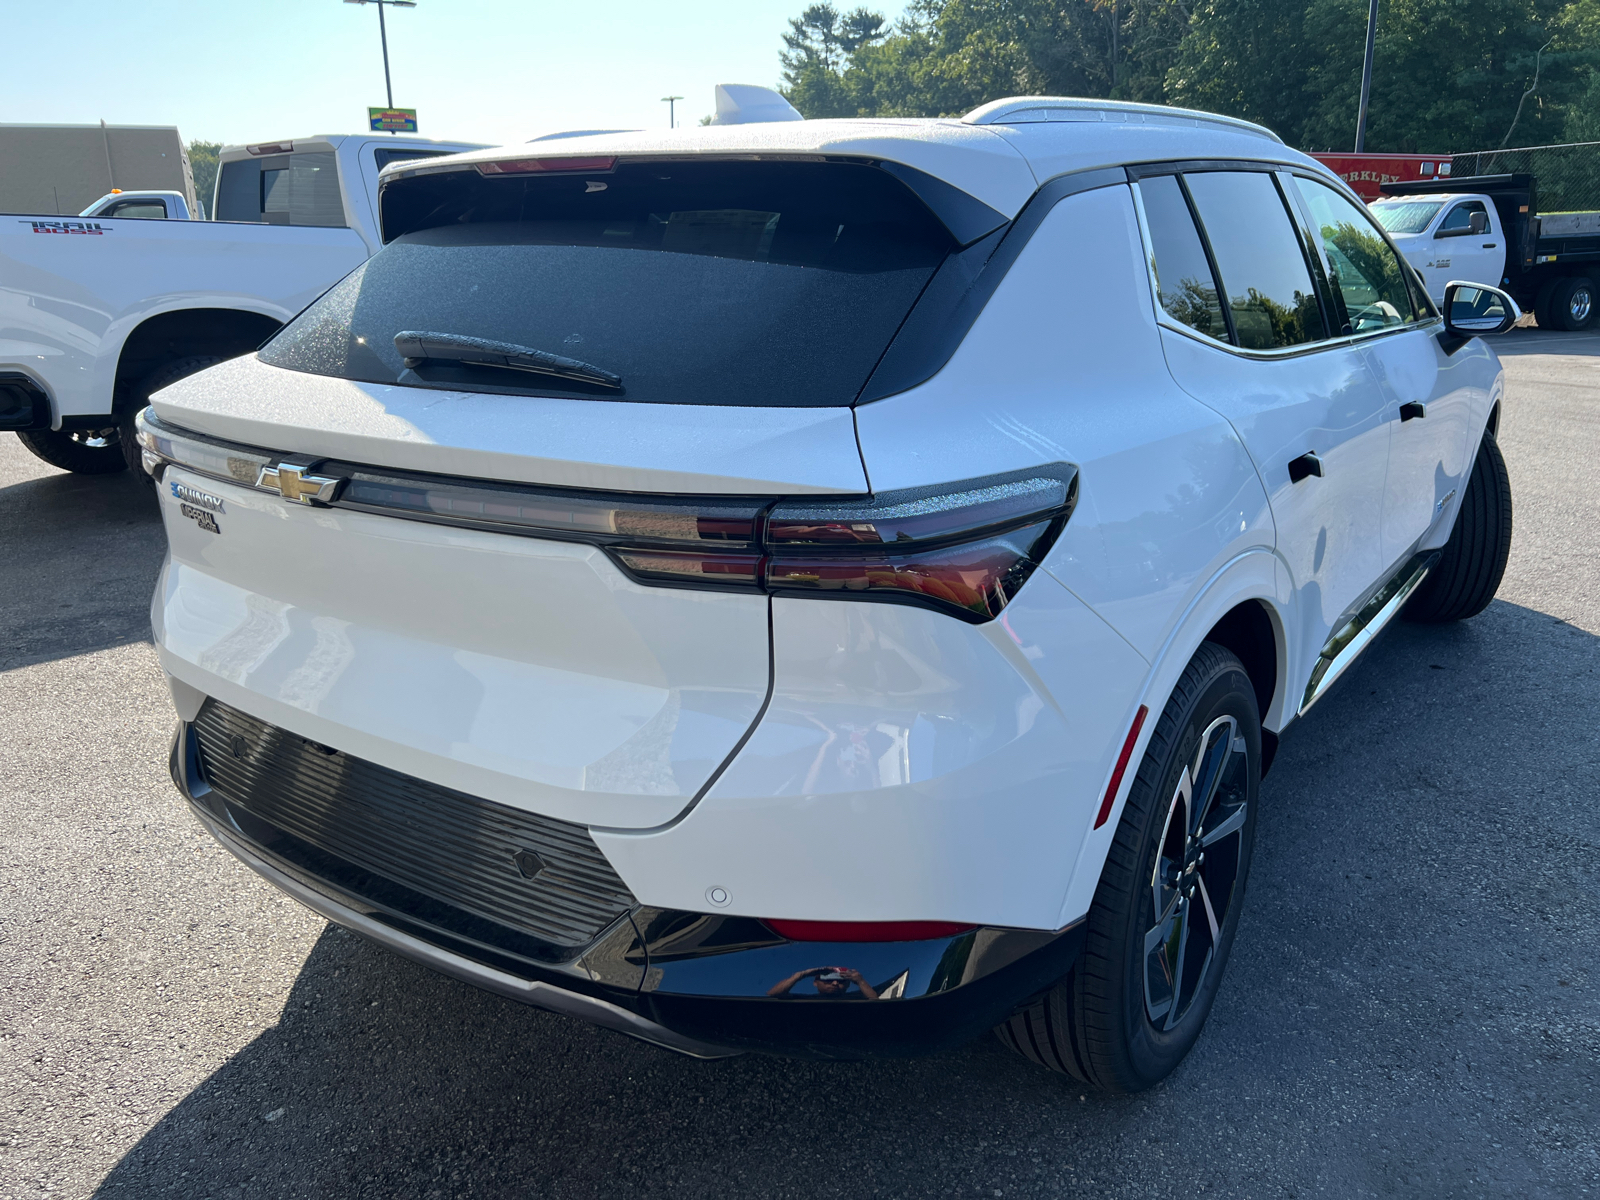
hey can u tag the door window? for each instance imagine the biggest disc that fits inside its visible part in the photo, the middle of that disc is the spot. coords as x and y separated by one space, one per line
1460 217
1264 275
1367 274
1185 286
138 208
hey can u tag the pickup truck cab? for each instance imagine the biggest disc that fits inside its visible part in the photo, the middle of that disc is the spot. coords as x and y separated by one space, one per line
100 310
1447 237
158 206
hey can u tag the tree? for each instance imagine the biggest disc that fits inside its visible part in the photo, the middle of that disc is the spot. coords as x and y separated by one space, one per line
203 164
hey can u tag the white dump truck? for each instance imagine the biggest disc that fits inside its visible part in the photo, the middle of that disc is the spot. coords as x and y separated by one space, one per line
1488 229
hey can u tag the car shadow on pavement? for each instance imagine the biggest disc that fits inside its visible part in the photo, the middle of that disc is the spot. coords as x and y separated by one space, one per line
1410 1010
81 555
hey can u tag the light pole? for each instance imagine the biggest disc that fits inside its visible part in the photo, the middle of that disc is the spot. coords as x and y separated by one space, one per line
672 110
383 35
1366 77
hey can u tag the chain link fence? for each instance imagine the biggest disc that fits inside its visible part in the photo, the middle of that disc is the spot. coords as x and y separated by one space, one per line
1567 177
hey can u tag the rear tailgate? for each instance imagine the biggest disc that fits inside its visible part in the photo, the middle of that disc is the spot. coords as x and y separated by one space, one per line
528 671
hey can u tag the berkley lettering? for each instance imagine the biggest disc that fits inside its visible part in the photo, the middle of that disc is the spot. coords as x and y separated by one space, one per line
92 228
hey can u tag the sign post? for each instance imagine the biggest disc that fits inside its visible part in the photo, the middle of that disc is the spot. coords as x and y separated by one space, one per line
392 120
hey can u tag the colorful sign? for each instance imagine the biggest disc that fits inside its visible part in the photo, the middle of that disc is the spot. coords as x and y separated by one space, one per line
1365 173
392 120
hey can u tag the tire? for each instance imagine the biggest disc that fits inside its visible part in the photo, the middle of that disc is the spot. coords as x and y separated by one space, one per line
1572 303
1473 562
163 376
1110 1023
81 451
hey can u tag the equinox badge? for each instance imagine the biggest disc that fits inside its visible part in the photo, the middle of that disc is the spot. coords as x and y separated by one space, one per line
291 481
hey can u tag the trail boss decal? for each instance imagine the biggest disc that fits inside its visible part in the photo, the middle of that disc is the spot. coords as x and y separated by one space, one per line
200 507
92 228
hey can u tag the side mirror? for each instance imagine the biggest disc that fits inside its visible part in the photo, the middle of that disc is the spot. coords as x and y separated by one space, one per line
1480 222
1473 310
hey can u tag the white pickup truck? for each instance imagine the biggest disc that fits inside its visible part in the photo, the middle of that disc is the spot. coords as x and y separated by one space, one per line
1488 229
98 312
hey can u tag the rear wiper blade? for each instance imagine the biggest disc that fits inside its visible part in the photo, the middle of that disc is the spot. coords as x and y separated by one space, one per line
418 347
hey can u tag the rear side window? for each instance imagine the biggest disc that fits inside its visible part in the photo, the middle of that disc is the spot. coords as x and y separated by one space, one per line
282 189
1264 274
1366 272
1185 285
732 283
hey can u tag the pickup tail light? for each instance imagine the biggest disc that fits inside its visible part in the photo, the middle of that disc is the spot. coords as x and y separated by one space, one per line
963 549
865 931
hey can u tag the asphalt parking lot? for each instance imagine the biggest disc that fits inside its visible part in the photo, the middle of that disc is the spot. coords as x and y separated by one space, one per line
1413 1006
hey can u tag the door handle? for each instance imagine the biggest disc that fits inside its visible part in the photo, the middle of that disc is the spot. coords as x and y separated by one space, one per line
1413 410
1490 245
1306 465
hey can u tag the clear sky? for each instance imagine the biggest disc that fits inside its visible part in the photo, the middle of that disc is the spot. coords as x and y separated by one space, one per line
475 70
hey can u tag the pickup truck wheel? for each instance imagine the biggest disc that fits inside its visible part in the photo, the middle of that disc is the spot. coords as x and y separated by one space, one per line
1469 570
1572 304
163 376
81 451
1167 906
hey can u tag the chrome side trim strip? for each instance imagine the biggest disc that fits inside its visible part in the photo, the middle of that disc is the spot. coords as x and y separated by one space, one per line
528 991
1346 645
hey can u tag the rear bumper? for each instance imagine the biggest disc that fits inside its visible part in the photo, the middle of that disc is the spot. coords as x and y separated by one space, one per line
701 984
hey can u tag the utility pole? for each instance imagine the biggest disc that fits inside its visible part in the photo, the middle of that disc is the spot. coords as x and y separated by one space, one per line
1366 77
383 36
672 110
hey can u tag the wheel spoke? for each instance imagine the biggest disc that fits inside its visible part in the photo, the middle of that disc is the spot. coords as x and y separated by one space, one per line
1175 966
1232 824
1210 766
1211 913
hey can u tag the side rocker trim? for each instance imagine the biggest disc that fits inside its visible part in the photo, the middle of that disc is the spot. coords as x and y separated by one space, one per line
1356 634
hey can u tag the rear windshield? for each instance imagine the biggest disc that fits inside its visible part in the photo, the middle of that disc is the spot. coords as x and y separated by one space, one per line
734 283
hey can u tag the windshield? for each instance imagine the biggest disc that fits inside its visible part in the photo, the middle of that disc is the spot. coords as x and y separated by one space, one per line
1405 216
732 283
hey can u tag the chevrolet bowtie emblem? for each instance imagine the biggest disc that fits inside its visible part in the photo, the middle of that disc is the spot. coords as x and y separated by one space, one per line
293 483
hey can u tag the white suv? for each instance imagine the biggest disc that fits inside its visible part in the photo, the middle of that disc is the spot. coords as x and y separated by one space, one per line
828 587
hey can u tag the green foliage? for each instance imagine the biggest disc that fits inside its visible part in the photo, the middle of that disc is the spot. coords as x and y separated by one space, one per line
1448 74
203 163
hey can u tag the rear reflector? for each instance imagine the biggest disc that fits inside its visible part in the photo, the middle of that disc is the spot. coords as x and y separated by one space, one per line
1115 785
865 931
533 166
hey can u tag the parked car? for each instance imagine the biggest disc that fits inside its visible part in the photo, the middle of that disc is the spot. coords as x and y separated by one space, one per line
823 587
159 206
100 311
1488 229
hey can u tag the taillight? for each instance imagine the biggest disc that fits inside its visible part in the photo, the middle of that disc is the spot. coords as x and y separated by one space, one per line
965 549
533 166
864 931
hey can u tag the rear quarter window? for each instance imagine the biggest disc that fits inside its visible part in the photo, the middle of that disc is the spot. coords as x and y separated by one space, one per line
727 283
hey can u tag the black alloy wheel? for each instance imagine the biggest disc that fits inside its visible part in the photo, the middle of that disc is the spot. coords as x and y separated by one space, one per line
1168 902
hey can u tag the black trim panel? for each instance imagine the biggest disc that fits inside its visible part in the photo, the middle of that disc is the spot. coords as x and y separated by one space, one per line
962 286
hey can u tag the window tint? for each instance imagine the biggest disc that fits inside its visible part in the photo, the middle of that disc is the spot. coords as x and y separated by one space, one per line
1367 274
283 189
1264 273
1185 286
755 283
385 156
1460 217
301 189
